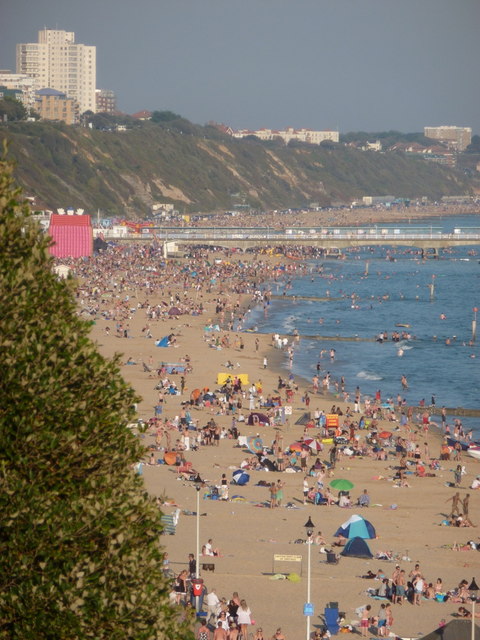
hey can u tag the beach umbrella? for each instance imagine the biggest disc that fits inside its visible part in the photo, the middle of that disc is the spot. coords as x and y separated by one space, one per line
313 444
240 477
174 311
356 527
254 444
384 435
258 418
296 446
339 484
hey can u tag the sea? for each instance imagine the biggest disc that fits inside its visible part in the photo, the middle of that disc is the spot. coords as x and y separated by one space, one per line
344 304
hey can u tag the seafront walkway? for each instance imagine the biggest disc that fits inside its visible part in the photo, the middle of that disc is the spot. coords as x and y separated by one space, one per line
427 238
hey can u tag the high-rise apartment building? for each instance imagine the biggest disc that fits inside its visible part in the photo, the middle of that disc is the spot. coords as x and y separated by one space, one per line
56 62
457 138
106 101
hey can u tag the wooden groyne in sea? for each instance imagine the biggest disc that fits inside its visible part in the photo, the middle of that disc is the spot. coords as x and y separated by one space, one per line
316 298
451 411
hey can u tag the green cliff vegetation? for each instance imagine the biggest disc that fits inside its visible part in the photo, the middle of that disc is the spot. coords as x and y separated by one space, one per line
200 169
79 536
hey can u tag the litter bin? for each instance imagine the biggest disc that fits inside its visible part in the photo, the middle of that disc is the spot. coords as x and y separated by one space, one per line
197 586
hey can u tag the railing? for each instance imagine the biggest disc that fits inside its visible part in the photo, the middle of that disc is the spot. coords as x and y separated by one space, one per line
385 235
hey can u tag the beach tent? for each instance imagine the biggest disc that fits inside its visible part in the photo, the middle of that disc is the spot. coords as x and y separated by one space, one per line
240 477
223 377
258 419
162 343
356 548
72 236
356 527
175 311
459 629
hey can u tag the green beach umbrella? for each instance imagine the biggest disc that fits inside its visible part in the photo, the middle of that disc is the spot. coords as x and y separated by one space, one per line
341 485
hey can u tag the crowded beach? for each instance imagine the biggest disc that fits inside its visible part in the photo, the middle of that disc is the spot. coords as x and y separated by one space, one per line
224 421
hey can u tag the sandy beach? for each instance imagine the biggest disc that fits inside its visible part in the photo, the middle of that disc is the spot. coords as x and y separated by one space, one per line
248 534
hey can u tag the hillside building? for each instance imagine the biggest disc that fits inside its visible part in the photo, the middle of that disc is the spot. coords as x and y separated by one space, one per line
23 85
302 135
51 104
106 101
57 62
457 138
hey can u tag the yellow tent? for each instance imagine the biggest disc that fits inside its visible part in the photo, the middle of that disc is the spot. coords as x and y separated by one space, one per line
223 377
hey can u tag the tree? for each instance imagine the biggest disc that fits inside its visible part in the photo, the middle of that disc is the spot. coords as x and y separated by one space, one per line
12 109
79 550
164 116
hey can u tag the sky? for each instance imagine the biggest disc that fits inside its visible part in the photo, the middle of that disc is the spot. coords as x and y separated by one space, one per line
349 65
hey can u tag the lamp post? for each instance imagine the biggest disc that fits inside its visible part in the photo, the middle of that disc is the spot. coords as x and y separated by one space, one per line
308 609
198 485
473 588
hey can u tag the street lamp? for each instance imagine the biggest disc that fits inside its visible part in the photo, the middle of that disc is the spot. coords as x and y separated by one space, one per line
308 608
198 485
473 588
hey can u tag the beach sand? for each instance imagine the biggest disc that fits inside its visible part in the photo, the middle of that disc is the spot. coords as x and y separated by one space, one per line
407 520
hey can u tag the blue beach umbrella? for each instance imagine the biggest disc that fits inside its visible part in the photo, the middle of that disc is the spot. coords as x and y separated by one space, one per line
240 477
356 527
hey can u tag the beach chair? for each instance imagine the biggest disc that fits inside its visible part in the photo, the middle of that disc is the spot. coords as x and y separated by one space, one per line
168 524
331 619
332 557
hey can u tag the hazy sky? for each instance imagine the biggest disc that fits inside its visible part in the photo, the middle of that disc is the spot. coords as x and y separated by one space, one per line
368 65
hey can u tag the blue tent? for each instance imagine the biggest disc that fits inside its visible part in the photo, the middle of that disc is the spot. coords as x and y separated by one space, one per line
357 548
356 526
162 343
240 477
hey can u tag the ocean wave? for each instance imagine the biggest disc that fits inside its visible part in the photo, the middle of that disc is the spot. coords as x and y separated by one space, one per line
368 375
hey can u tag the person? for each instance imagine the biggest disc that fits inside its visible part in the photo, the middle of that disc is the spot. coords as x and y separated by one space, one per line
213 603
382 621
208 549
244 618
203 632
400 584
220 633
180 586
278 635
306 489
233 606
365 620
455 500
259 634
192 566
222 617
418 585
233 632
466 507
364 499
224 487
279 494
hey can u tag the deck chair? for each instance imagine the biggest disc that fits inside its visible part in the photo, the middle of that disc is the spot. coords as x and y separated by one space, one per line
168 524
331 620
332 557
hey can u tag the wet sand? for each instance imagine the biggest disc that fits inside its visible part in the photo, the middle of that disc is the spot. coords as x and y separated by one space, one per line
407 520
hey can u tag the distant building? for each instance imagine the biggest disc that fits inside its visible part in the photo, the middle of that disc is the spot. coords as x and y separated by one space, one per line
457 138
24 85
106 101
142 115
51 104
302 135
55 61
